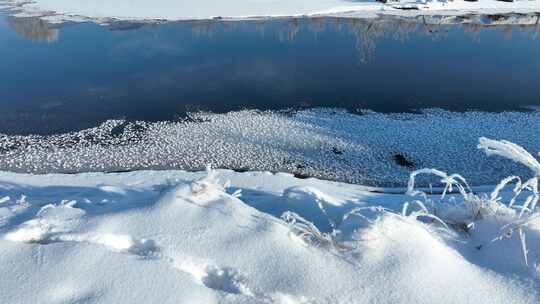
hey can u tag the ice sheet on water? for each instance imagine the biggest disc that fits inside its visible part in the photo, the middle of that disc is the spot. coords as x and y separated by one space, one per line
326 143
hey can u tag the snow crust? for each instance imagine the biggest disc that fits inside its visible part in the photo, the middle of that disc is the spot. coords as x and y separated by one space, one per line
103 10
325 143
181 237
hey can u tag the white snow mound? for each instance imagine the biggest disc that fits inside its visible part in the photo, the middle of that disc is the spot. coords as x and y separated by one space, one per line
180 237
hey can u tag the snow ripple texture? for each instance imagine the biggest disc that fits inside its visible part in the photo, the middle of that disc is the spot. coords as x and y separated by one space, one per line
371 148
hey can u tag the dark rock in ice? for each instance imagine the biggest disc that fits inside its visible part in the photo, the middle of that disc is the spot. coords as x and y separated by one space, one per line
401 160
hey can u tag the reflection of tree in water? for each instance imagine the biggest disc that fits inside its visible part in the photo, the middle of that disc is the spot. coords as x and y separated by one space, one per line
204 28
289 30
33 28
369 31
317 25
366 32
474 30
230 27
528 24
260 27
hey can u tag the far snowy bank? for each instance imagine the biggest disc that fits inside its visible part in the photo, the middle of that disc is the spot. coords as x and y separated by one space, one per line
255 237
143 10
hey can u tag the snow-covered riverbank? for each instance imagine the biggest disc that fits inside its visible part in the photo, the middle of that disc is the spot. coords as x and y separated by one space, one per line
103 11
226 237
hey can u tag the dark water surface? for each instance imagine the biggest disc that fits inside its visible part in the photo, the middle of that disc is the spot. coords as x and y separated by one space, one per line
55 80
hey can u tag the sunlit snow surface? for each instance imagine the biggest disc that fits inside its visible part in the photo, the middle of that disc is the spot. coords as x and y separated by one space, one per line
367 148
172 237
103 10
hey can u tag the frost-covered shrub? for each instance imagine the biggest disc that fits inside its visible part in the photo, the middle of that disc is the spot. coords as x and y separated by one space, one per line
456 211
511 151
211 183
512 213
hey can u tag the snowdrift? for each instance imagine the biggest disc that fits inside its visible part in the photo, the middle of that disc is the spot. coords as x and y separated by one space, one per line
256 237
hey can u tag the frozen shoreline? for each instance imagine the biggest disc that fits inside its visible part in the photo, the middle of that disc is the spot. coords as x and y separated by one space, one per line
370 149
101 11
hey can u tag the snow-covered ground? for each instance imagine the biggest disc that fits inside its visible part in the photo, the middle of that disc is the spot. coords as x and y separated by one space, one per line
104 10
370 149
180 237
